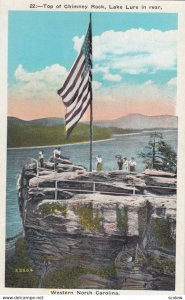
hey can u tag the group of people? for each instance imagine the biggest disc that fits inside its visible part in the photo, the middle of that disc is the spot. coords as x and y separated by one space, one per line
123 163
56 155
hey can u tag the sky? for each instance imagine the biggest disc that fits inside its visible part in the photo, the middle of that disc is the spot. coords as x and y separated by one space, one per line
134 62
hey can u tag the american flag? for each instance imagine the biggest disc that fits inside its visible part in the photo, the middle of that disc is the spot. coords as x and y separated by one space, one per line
76 91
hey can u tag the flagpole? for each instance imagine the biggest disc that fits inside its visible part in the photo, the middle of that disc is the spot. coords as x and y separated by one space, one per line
91 110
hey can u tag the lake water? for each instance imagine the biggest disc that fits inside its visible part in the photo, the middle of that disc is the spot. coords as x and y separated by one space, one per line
127 145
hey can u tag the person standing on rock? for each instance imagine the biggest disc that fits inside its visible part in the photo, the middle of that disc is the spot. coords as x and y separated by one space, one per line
58 153
132 165
125 164
41 159
57 156
99 163
55 153
120 162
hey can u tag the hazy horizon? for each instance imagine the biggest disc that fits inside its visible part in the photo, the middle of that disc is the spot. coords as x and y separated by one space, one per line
94 119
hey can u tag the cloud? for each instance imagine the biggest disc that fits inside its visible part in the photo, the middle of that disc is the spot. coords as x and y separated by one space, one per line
48 79
147 98
148 83
34 96
107 75
134 51
96 84
77 42
172 82
112 77
48 74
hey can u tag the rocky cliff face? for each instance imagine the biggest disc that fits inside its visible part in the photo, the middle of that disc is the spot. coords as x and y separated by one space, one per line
114 229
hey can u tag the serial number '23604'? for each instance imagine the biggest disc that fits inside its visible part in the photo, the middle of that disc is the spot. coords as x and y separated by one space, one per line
23 270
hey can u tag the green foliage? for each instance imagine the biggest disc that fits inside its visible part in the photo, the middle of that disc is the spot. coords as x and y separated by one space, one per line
116 130
122 219
166 265
27 135
50 258
158 154
20 272
161 230
68 277
87 220
169 161
53 207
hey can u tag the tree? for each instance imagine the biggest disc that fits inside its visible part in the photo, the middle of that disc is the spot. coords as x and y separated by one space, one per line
158 154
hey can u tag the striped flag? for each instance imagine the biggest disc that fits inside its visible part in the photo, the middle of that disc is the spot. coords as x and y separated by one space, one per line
76 91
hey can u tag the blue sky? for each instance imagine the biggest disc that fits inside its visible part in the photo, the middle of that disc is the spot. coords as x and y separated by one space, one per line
140 52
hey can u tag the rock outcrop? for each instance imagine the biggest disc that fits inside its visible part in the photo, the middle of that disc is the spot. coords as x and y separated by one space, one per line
116 228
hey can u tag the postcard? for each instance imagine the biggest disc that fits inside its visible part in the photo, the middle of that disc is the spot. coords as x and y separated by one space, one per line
92 164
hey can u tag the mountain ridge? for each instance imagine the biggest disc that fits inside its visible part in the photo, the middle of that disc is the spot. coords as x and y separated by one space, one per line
139 121
49 122
132 121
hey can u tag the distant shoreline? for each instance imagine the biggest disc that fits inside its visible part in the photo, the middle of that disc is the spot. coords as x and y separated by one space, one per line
144 131
61 145
96 141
